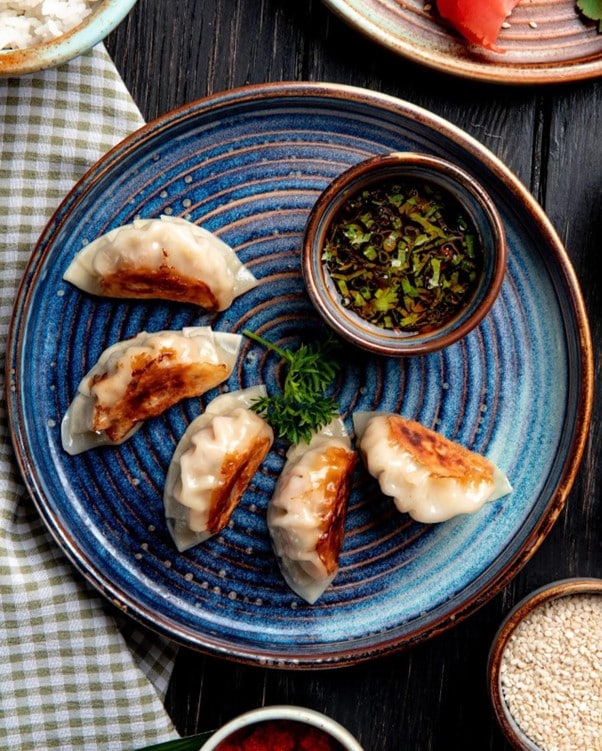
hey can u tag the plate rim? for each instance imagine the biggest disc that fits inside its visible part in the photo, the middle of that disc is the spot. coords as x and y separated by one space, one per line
340 653
531 74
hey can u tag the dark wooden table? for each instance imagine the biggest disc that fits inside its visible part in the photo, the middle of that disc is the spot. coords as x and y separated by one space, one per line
432 697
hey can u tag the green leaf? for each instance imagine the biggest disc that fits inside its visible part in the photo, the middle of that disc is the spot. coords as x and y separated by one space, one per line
385 300
591 9
191 743
356 235
302 407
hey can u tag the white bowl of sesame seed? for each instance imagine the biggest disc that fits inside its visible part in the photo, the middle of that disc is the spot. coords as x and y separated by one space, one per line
545 668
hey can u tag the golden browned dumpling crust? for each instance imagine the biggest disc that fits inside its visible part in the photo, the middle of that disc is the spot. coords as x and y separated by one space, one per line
338 464
164 282
156 384
237 470
442 457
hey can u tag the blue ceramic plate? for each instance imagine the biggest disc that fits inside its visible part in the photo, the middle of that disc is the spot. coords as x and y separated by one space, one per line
248 165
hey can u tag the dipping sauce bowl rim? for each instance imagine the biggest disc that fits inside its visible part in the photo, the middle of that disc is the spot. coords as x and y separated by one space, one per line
456 181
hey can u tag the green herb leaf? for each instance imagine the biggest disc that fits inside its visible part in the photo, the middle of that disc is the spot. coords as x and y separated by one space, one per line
191 743
385 299
591 9
302 407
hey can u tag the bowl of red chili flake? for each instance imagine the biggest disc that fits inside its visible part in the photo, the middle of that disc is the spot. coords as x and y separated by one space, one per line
404 254
282 728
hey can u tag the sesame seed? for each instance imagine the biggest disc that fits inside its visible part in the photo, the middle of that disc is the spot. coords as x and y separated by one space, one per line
550 674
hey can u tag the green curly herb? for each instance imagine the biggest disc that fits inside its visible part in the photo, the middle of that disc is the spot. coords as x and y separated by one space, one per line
302 407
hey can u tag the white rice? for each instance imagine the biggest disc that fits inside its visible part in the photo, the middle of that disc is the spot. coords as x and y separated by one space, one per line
24 23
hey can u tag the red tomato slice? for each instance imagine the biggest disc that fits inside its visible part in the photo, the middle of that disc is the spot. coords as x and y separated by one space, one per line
479 21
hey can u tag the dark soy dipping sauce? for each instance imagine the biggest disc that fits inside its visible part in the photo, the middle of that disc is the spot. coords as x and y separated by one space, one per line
403 255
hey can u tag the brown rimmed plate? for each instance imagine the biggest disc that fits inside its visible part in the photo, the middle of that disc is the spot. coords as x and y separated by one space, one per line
248 165
548 41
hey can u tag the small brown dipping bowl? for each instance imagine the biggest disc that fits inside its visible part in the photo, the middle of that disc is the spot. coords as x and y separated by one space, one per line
459 189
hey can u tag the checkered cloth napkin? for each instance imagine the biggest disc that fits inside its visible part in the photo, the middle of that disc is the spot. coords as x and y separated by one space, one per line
71 675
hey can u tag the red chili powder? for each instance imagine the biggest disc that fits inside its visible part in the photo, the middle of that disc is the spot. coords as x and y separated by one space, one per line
279 735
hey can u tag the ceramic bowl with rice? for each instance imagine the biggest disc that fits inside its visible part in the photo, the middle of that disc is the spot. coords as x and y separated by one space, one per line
39 34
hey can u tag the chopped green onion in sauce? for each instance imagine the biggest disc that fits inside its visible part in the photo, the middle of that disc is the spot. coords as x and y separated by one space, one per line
403 255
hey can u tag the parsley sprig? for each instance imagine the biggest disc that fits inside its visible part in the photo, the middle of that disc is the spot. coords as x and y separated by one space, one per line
302 407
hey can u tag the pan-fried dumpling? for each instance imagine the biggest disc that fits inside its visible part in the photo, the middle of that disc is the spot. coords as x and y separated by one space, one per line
306 514
212 465
428 476
141 377
167 258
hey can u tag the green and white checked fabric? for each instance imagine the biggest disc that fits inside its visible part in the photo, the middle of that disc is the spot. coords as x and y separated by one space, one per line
71 676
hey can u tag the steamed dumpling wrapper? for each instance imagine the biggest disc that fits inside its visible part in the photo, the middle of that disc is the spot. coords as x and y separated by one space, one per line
306 514
141 377
167 258
212 465
428 476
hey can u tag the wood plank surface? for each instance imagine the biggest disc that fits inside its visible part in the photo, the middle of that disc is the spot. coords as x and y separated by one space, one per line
433 697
